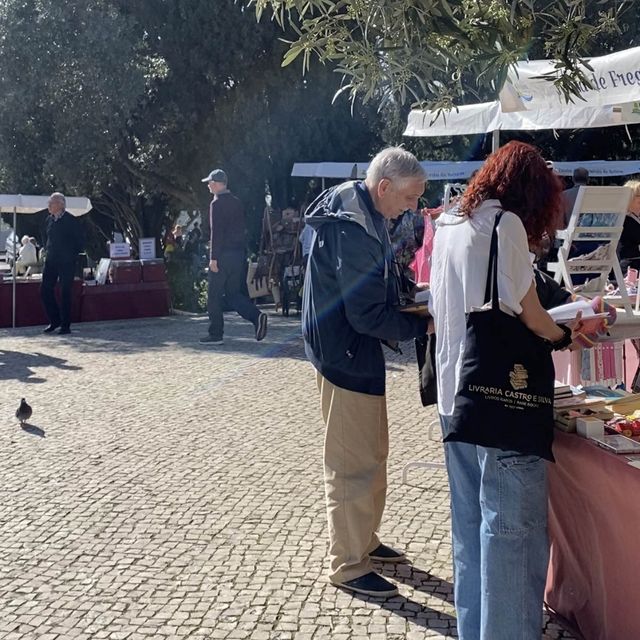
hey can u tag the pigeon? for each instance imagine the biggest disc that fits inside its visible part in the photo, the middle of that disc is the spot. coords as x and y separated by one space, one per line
24 412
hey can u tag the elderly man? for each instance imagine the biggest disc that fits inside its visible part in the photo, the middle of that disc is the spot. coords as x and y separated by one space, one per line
228 262
64 242
350 307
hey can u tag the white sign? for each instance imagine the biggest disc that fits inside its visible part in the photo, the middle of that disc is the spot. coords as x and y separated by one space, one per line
614 79
119 250
147 248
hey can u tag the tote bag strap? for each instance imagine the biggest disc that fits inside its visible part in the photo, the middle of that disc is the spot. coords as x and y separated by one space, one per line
491 287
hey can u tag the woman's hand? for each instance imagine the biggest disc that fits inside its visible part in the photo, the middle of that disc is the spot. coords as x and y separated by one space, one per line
576 327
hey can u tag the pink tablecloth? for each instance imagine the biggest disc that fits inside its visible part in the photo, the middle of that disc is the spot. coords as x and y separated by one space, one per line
594 523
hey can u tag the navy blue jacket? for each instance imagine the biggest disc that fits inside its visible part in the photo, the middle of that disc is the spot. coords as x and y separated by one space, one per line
351 291
64 238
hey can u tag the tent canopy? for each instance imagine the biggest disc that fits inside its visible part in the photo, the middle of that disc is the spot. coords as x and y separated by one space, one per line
326 169
529 101
452 171
488 116
34 204
358 170
615 79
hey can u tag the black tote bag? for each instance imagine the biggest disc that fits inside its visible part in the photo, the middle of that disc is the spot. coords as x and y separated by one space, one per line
505 397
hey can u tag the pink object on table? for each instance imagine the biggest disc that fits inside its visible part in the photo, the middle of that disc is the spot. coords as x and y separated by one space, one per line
594 521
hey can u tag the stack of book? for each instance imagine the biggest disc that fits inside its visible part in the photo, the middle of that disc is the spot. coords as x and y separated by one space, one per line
571 403
565 419
566 396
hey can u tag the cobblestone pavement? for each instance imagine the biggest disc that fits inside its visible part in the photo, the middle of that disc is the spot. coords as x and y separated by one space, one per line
167 490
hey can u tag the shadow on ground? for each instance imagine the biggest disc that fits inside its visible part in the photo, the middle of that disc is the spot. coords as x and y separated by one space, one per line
33 429
149 334
415 613
419 580
17 365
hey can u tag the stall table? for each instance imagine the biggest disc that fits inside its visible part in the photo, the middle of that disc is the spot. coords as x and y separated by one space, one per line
122 301
594 526
29 309
89 303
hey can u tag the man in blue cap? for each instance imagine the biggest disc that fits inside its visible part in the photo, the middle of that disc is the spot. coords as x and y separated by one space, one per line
228 262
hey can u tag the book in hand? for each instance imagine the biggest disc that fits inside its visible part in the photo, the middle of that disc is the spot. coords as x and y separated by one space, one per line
591 320
420 304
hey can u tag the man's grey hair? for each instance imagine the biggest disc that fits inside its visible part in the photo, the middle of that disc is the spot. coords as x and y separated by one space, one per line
56 195
395 163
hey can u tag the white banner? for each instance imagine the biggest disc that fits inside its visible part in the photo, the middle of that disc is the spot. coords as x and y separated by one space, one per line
615 79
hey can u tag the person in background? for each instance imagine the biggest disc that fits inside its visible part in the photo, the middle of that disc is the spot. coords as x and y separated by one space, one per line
350 307
629 245
194 237
580 179
64 243
169 243
177 235
27 257
498 498
228 262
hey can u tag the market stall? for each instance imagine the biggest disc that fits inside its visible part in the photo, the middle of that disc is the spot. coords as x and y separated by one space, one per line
593 525
594 568
19 204
136 289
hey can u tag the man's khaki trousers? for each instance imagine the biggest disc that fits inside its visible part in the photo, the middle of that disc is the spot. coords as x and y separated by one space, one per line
356 447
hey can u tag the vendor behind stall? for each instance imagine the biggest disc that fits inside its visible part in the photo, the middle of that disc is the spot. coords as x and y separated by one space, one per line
629 246
28 256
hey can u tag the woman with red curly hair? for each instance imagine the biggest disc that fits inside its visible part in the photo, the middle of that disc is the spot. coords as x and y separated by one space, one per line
498 497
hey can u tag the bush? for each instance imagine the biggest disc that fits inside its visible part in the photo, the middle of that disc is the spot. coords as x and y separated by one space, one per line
187 282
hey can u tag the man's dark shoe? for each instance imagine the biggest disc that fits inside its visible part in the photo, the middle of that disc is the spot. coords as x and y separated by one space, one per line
210 340
371 584
261 329
382 553
51 328
64 331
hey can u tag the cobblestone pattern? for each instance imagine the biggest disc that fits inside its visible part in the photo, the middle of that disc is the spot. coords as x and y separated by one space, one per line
177 492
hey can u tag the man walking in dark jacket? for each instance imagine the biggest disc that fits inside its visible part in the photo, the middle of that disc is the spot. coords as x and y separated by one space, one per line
228 262
350 306
64 242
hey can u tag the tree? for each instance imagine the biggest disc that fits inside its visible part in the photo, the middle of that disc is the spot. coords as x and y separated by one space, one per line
134 102
448 51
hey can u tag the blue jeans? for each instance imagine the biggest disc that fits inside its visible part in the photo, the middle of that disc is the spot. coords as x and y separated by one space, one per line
500 543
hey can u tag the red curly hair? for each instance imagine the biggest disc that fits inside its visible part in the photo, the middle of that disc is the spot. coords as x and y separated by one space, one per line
518 176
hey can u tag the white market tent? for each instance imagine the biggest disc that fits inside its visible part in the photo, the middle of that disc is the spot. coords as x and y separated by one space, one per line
488 117
529 102
357 170
615 79
34 204
326 169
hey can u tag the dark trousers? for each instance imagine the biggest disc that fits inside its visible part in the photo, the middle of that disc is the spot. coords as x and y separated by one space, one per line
52 272
230 281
